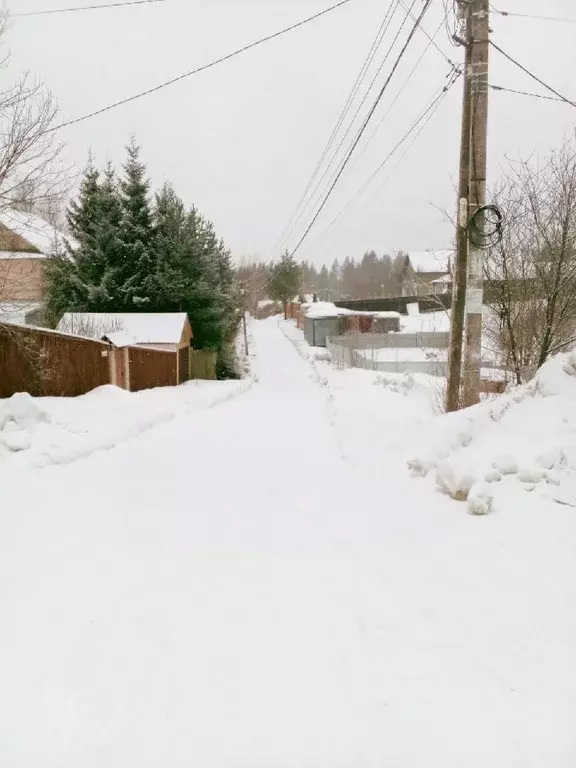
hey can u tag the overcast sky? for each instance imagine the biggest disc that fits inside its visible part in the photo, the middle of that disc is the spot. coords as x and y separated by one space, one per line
241 140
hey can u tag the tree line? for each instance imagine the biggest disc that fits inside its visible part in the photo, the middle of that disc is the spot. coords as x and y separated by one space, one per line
371 276
133 252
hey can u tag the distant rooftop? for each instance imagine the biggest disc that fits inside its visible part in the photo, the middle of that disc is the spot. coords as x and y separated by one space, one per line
34 231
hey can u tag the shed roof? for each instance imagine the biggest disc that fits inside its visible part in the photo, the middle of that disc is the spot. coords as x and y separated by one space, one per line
431 261
139 327
34 230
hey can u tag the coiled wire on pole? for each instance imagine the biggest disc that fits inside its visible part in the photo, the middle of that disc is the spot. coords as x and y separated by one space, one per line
485 226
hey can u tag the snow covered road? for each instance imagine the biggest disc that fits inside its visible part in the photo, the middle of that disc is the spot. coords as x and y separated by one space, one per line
241 587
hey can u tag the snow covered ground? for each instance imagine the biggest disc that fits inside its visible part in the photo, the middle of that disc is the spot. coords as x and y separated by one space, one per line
263 583
51 430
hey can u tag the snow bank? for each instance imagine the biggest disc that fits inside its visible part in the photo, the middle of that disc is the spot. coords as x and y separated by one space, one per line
44 431
524 440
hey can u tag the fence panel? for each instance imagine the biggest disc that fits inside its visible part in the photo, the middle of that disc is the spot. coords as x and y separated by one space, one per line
184 364
152 368
46 363
202 364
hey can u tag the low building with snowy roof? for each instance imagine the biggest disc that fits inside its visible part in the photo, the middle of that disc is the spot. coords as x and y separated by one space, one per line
169 331
423 269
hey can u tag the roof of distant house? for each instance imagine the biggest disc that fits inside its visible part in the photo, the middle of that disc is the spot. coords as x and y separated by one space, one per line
36 231
431 261
445 279
127 327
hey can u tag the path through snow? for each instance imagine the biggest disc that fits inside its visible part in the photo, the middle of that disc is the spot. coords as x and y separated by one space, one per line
233 589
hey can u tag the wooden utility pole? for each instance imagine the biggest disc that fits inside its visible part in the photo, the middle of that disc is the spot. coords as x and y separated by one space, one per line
479 17
468 273
460 267
245 331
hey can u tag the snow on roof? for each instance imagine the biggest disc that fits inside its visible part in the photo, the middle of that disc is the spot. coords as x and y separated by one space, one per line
34 229
120 339
15 312
445 279
6 255
431 261
139 327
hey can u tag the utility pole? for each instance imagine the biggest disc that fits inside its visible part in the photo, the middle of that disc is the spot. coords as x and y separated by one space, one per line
245 331
460 267
467 291
475 295
244 295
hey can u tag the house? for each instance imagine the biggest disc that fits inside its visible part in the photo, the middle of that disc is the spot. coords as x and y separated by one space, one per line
26 242
423 269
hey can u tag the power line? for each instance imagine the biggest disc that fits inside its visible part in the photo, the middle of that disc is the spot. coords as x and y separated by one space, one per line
532 16
431 41
334 158
432 38
351 96
87 8
418 125
525 93
363 127
203 68
532 75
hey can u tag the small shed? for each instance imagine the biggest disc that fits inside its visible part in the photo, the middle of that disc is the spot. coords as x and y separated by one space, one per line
167 332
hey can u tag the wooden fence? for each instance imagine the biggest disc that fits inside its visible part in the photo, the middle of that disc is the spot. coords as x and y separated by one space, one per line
152 368
46 363
202 364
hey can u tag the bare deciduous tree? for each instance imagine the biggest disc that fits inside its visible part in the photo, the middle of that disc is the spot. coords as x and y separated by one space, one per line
32 174
531 274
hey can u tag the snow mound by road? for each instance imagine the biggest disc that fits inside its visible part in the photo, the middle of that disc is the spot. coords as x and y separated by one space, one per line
44 431
526 438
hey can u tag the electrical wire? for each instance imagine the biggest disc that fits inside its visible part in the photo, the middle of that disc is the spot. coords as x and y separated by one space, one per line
532 75
525 93
364 126
416 128
351 96
533 16
332 164
203 68
86 8
432 38
431 41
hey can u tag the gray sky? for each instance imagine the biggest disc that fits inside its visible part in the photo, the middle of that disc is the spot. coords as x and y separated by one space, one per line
241 140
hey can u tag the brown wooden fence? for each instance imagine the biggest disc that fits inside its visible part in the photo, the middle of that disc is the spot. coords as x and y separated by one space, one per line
152 368
46 363
202 364
184 364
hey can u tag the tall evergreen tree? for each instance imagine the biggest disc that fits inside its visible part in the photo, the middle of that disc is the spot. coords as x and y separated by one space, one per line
136 235
83 277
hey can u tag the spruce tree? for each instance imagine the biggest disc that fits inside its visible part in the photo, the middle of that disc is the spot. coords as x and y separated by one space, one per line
84 278
136 236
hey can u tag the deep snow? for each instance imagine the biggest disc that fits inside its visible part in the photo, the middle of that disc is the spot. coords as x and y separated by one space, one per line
263 584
